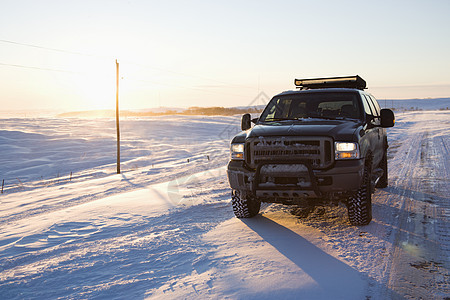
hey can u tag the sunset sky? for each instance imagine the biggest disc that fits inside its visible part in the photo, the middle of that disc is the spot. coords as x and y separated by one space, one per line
61 54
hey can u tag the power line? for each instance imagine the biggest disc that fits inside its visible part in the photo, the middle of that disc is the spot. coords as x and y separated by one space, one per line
126 78
126 62
183 87
52 49
188 75
39 68
123 62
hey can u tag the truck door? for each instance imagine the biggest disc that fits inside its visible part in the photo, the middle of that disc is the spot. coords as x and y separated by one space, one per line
370 138
377 139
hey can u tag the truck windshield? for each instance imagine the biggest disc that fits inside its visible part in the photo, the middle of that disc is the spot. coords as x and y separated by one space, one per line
312 105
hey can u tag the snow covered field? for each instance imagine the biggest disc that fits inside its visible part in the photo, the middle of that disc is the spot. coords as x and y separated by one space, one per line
164 228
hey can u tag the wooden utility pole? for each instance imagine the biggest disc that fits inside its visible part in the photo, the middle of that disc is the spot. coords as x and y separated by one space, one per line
117 117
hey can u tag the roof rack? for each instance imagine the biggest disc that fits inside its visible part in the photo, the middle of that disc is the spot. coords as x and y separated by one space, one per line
351 82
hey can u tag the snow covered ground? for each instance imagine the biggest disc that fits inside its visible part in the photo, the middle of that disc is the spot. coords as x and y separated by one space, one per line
164 228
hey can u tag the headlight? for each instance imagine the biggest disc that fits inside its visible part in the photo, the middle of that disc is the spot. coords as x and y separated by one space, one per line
237 151
346 150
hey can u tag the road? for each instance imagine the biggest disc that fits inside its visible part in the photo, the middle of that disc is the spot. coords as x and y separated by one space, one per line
416 206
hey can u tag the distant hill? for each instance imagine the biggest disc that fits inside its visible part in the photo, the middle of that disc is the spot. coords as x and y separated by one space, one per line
203 111
407 104
416 104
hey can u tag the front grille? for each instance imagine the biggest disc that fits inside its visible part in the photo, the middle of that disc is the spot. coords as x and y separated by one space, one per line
315 150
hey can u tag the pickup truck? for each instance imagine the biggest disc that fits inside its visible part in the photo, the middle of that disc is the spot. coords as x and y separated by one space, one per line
322 143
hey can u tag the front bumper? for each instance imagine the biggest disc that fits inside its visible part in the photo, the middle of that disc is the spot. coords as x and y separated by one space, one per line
272 181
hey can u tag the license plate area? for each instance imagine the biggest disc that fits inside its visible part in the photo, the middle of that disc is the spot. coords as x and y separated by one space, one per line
283 175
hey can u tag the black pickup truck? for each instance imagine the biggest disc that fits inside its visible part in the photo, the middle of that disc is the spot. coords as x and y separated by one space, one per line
323 143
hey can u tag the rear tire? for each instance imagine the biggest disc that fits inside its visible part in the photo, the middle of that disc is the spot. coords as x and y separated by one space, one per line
360 204
244 207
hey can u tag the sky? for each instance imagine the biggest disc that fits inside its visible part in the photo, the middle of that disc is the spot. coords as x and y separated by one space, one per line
60 55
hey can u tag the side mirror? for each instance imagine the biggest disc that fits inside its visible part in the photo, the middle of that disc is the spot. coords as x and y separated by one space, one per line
246 122
387 118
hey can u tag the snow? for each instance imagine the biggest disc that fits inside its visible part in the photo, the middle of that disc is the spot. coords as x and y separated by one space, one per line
164 228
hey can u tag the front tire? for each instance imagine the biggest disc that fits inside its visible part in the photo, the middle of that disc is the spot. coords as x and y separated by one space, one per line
360 204
244 207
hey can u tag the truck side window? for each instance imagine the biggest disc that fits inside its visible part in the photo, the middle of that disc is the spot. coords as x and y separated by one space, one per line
372 107
376 104
367 108
375 113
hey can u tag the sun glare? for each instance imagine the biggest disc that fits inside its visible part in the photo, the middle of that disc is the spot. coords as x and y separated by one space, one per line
92 86
97 90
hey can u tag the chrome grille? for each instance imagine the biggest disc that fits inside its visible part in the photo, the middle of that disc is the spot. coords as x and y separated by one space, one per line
316 150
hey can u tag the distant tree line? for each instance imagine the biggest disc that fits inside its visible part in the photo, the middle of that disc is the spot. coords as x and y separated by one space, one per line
221 111
192 111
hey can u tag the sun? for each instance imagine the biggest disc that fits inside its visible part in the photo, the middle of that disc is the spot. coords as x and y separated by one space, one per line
97 87
97 91
90 84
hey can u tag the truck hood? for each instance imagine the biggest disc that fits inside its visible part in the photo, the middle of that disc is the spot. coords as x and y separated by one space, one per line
337 129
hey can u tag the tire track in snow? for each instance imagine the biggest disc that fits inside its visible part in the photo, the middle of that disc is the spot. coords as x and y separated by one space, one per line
419 262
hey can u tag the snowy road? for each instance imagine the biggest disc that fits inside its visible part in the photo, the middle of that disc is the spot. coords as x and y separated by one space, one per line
418 201
167 230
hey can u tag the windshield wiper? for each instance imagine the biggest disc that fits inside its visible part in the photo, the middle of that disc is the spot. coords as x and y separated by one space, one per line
281 119
346 118
339 118
322 117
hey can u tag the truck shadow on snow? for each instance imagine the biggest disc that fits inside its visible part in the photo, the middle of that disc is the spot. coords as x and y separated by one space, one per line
334 277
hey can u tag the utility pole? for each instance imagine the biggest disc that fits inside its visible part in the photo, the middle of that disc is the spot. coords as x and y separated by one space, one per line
117 117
